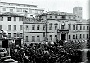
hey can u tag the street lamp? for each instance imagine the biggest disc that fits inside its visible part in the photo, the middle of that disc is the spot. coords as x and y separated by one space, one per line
23 24
46 39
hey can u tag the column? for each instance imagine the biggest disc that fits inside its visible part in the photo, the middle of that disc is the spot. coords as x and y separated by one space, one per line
84 55
60 36
66 36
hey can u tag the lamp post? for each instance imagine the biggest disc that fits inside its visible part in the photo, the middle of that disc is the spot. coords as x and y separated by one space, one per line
46 39
23 24
23 30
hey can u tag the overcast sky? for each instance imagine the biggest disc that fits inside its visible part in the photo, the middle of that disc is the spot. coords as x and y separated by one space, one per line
57 5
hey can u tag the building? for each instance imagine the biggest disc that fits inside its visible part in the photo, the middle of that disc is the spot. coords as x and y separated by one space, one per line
11 23
34 31
58 25
32 10
78 12
52 25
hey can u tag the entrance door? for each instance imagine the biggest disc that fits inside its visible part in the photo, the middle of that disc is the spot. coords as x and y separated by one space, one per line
63 37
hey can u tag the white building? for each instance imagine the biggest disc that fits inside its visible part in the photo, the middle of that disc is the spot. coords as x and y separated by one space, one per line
34 32
60 25
12 23
20 8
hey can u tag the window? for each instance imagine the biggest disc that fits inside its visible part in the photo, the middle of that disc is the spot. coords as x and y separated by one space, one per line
50 16
87 27
69 17
26 27
20 18
80 36
62 26
87 36
9 18
63 17
4 9
73 27
19 10
18 34
24 10
51 37
38 26
69 26
9 27
69 37
56 36
76 27
14 18
0 27
14 34
33 27
43 27
14 27
83 27
21 35
30 10
11 10
38 38
73 36
83 35
1 18
33 38
9 35
55 16
21 27
43 34
80 27
76 36
26 38
56 26
50 26
0 35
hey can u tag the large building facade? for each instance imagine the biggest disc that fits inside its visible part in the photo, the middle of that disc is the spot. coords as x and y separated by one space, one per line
57 25
12 23
52 25
34 32
20 8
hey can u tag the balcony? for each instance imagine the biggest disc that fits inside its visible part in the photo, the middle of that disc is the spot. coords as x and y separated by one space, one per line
63 31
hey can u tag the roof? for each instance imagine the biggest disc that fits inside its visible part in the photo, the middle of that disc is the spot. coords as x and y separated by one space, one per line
57 13
11 14
20 4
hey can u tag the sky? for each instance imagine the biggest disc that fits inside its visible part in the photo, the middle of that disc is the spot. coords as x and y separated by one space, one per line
57 5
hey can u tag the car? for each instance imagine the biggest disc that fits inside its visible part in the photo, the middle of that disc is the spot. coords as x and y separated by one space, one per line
3 52
10 61
4 58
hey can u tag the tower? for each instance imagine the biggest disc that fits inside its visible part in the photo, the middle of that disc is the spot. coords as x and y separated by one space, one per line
78 12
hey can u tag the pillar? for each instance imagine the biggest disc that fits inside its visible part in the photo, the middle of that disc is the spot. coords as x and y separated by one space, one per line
84 55
66 36
60 36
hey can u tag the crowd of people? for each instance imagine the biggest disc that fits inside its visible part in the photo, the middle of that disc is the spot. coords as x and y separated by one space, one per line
51 52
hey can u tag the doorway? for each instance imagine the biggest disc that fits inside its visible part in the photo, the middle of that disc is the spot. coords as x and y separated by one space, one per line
63 37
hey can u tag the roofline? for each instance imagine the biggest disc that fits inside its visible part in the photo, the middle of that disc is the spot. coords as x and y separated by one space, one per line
56 14
11 15
19 4
17 15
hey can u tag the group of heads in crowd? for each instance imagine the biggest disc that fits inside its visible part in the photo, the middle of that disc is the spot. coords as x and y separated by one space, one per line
48 52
